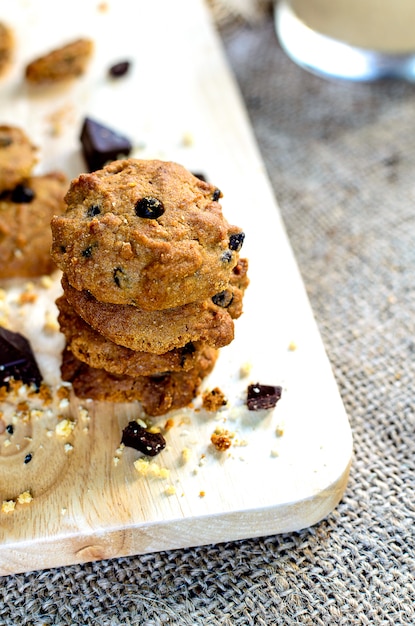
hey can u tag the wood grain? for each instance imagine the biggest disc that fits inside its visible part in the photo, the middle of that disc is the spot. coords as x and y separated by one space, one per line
288 467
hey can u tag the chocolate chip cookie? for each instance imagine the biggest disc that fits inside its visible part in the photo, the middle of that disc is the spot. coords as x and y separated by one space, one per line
90 347
145 233
18 156
209 321
68 61
6 47
25 236
157 394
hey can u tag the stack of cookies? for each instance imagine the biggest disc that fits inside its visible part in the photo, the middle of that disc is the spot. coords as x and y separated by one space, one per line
27 203
152 281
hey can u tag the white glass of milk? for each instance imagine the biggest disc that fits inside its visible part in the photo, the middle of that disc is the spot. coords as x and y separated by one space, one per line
352 39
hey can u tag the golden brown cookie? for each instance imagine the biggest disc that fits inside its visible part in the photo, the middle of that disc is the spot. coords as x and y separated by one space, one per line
145 233
17 156
6 47
60 64
90 347
161 331
25 236
157 394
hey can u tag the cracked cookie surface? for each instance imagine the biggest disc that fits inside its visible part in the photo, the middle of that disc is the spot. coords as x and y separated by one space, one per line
145 233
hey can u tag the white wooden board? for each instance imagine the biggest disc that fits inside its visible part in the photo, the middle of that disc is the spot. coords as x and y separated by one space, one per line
287 467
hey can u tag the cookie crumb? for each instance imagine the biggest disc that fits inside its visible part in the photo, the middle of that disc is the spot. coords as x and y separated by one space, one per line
25 497
8 506
50 325
46 282
245 370
186 455
221 440
213 400
64 428
152 469
170 490
188 139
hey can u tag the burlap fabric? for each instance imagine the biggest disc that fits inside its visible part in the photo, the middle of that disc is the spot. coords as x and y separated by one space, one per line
341 157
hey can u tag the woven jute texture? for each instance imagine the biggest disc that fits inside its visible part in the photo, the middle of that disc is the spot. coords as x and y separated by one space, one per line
341 157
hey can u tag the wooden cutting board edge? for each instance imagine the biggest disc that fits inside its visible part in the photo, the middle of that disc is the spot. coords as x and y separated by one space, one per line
84 547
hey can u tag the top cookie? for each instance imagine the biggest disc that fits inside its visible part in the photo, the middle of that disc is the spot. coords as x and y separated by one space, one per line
146 233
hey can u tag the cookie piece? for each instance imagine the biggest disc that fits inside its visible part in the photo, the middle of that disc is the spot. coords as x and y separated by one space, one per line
18 156
146 233
6 47
25 236
90 347
68 61
157 394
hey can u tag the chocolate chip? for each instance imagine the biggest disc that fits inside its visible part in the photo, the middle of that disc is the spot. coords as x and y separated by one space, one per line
10 429
236 241
216 195
149 207
5 142
17 359
262 396
137 437
119 69
101 144
223 298
27 458
188 349
22 194
226 256
93 210
87 253
120 277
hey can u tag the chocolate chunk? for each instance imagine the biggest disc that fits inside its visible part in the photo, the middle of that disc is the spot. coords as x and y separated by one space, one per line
262 396
120 277
150 208
27 458
236 241
5 142
216 195
119 69
87 253
22 194
137 437
226 256
17 359
101 144
223 299
93 210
